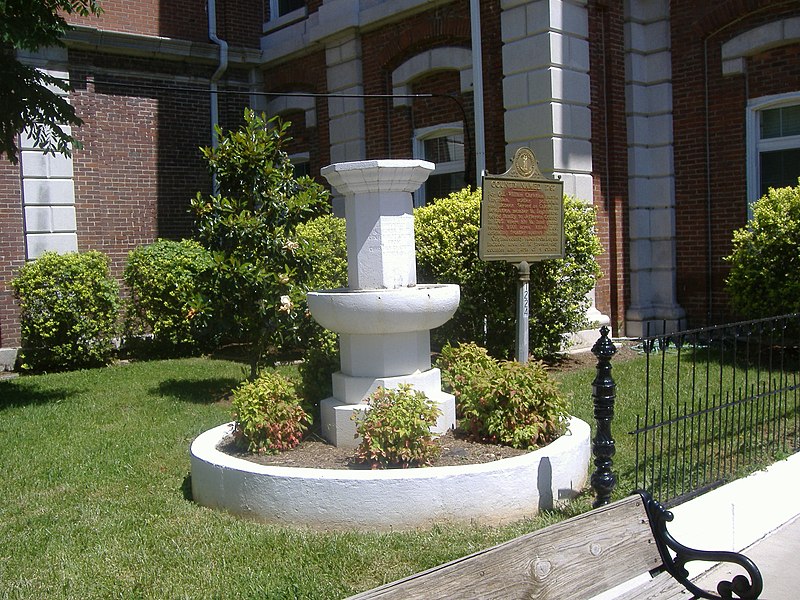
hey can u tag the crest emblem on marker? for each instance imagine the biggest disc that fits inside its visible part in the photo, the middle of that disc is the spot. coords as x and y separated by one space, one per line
525 163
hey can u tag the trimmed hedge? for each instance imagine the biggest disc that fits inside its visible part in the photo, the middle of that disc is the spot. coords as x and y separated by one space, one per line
163 278
69 305
765 263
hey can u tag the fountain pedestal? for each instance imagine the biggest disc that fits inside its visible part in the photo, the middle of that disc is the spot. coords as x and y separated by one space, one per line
383 318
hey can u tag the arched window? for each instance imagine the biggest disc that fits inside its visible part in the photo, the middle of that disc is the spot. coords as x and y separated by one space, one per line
773 122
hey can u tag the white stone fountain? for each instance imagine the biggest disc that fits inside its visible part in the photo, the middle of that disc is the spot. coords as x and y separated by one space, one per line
383 317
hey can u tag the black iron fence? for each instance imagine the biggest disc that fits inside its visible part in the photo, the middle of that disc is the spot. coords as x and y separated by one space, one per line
719 402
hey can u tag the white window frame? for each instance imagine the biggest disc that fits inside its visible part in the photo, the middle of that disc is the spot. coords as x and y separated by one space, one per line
277 21
418 148
755 145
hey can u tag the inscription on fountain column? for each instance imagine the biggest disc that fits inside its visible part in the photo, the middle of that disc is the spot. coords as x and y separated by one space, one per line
387 259
522 214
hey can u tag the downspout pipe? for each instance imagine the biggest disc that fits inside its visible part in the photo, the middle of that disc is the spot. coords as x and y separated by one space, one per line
477 78
211 8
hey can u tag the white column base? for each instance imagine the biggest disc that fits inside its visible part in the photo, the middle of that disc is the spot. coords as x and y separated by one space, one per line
661 320
339 428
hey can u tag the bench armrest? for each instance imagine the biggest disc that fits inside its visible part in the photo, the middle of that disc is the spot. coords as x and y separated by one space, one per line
743 587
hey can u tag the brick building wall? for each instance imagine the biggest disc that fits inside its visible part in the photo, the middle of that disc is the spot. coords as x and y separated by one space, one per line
389 128
493 113
182 19
238 22
144 121
305 74
12 250
609 155
146 118
140 163
710 139
384 49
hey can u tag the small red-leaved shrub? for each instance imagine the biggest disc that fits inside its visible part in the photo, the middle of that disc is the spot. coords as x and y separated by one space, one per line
502 402
268 414
396 429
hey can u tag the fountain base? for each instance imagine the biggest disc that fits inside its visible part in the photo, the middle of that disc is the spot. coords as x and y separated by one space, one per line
339 426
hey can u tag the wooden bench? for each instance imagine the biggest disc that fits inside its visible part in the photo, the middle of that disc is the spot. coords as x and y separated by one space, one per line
626 542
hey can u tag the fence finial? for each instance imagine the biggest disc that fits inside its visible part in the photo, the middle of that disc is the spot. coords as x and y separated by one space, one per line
603 393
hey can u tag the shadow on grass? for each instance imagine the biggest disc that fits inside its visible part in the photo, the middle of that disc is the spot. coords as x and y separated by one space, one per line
198 391
186 488
13 394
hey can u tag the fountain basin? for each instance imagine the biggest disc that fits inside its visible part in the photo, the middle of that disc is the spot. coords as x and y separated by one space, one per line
384 311
492 493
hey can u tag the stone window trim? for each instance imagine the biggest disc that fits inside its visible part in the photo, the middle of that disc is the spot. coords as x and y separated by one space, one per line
301 161
289 103
756 145
446 58
278 21
754 41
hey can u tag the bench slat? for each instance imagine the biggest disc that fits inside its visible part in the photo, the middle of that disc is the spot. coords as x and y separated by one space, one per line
576 558
662 587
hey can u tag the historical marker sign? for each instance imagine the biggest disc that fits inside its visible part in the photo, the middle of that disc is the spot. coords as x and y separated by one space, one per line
522 214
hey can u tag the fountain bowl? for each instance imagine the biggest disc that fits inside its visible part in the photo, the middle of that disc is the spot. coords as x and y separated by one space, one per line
384 311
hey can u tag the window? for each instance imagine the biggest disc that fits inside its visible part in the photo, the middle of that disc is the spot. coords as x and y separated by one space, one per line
442 145
280 8
301 164
774 151
779 167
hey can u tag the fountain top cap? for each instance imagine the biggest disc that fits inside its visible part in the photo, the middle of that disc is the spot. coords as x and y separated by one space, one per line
387 175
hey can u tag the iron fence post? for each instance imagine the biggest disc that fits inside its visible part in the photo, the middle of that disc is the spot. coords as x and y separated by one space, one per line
603 394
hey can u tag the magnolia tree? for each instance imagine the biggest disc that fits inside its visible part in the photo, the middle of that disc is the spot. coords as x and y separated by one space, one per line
255 293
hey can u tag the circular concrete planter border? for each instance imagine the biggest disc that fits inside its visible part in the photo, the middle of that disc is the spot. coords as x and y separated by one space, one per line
491 493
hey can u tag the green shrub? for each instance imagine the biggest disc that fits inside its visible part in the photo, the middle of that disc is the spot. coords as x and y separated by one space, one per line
447 252
320 361
765 263
460 364
69 306
396 429
163 279
503 402
268 415
325 245
446 235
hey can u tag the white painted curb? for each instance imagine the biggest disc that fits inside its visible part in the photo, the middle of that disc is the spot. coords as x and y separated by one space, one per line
491 493
734 516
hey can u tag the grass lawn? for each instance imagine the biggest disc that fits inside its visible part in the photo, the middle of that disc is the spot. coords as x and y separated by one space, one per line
95 494
94 500
725 441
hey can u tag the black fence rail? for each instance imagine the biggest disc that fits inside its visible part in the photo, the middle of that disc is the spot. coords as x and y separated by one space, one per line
719 402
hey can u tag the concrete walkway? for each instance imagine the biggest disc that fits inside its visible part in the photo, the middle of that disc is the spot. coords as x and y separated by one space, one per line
777 556
758 516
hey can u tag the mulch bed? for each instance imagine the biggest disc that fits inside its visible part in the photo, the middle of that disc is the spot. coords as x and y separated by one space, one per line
315 452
